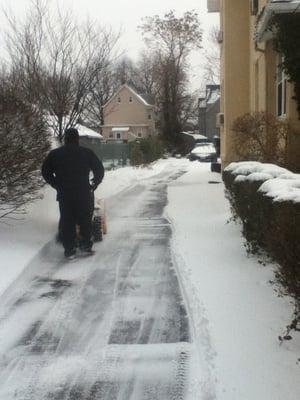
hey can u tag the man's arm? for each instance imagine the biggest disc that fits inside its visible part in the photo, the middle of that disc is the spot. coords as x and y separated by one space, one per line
97 169
47 171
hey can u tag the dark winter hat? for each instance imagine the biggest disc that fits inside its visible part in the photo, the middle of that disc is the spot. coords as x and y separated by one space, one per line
71 135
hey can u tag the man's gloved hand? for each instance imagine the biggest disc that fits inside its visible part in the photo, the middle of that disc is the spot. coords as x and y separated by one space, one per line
93 185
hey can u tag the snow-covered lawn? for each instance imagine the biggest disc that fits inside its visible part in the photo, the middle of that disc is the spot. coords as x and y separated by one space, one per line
235 313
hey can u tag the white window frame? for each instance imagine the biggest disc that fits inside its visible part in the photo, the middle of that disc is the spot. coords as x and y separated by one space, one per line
281 86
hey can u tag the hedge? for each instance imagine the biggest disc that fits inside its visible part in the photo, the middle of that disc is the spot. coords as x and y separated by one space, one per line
268 223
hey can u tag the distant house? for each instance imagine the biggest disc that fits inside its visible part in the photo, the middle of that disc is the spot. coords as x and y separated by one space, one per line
208 108
128 116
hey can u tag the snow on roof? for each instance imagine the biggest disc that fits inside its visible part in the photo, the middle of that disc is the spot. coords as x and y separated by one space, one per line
196 136
279 183
87 132
215 95
138 96
82 130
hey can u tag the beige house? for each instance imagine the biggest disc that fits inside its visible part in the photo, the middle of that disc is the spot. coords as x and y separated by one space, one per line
251 79
128 116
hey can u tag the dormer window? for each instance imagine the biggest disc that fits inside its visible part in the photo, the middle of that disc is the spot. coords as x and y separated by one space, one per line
119 99
130 99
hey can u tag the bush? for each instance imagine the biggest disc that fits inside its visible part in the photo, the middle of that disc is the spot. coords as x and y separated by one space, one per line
145 151
23 145
260 136
273 226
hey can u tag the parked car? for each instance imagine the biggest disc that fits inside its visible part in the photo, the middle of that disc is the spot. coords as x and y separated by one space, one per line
203 152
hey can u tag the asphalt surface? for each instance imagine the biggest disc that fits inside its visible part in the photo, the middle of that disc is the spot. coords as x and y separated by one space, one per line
113 326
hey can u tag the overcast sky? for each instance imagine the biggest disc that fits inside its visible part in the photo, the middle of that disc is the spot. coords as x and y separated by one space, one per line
127 15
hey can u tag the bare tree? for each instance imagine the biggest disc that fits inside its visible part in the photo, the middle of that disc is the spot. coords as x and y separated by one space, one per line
212 58
59 60
262 137
23 145
103 88
146 73
171 40
189 113
124 71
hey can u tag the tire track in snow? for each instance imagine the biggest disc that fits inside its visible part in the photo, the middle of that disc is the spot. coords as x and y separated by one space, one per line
115 327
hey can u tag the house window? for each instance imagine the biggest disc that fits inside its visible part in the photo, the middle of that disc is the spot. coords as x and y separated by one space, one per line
149 116
130 99
119 99
118 135
281 91
139 134
256 86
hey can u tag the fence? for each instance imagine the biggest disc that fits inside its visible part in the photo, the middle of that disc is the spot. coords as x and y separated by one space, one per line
112 155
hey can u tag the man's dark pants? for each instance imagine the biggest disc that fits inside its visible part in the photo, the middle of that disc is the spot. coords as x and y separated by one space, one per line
76 209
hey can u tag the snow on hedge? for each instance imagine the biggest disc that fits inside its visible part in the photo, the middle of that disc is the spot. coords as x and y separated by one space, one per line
279 183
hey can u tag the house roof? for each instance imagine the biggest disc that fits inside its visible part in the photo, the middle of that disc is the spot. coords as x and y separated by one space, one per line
212 95
82 130
196 136
87 132
272 8
143 98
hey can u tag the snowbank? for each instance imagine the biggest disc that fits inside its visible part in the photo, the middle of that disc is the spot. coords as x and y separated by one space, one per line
279 183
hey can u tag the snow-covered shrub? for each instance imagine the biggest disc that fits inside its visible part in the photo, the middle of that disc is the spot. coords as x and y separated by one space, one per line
23 145
267 200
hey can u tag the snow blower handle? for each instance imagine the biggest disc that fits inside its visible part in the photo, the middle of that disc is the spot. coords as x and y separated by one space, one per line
93 185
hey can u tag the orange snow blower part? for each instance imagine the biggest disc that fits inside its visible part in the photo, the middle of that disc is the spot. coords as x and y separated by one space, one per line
99 226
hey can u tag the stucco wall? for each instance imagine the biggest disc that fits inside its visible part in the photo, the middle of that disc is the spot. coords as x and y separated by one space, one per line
235 82
249 78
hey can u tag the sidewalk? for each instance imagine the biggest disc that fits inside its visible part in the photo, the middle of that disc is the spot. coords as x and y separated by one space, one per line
236 313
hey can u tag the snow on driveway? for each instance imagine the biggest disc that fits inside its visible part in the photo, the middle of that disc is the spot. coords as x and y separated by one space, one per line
113 326
169 308
23 237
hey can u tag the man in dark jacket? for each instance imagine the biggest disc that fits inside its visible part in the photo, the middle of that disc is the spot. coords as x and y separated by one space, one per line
67 169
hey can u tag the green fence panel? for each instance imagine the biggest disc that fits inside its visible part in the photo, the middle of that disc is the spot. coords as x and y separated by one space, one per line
113 155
